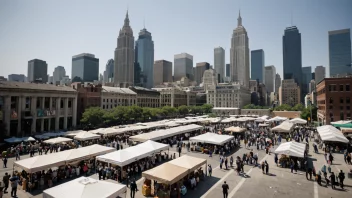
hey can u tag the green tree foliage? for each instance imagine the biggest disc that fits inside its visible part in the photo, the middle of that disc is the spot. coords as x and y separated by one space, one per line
306 112
298 107
93 117
252 106
207 108
183 110
283 107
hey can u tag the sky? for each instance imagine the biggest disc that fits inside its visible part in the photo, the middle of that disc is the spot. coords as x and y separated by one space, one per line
55 31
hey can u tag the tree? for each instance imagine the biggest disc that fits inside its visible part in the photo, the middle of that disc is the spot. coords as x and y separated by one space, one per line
306 112
298 107
283 107
183 110
133 113
146 113
207 108
93 117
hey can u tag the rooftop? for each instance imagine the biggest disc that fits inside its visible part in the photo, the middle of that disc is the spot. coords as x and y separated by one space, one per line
34 86
118 90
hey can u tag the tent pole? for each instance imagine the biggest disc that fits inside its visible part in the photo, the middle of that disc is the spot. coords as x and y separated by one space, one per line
206 168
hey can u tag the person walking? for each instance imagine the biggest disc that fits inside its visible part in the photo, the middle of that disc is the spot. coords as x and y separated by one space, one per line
210 170
17 154
179 151
263 166
221 162
6 179
332 178
231 161
266 167
276 159
225 189
341 178
133 188
226 163
5 161
14 183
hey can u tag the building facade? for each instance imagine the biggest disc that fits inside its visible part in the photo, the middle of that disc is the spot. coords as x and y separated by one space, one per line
37 71
183 66
334 100
124 56
27 108
147 97
340 52
228 95
312 86
199 71
58 74
292 55
269 79
277 82
239 55
319 73
85 68
162 72
228 71
306 78
144 56
17 78
209 78
257 65
175 97
109 71
219 63
112 97
289 92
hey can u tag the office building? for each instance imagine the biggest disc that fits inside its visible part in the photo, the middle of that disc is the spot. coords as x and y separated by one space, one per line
183 66
340 53
85 68
175 97
312 86
289 92
17 78
109 71
209 78
124 56
147 97
277 82
112 97
37 71
162 72
239 55
144 56
231 95
334 100
257 65
292 55
306 78
228 71
270 75
219 63
199 71
29 108
58 74
319 73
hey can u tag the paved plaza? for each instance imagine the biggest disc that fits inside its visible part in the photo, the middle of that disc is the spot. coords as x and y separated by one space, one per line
279 183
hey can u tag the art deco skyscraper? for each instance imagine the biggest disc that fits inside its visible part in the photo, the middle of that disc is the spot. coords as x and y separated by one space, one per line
124 56
144 57
219 63
239 55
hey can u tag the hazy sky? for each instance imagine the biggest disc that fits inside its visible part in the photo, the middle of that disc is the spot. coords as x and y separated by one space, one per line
54 30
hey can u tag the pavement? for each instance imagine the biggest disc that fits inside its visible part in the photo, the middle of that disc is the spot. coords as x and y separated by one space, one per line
279 183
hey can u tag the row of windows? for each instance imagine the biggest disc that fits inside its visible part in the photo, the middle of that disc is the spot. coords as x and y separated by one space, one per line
340 87
348 100
107 100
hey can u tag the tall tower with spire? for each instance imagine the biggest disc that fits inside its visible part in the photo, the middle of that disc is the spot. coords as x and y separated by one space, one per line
239 55
124 56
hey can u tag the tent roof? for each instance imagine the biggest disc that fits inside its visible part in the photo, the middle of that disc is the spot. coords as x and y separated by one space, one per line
86 136
85 187
330 133
212 138
298 121
342 122
346 125
57 140
189 162
166 173
134 153
292 149
285 126
235 129
277 118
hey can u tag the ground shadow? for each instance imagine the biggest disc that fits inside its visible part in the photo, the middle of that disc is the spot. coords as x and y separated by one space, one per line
202 187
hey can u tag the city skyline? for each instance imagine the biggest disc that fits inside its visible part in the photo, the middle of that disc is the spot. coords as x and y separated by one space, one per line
102 41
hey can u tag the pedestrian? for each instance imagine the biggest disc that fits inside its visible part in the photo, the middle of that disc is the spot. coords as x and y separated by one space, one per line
341 178
309 172
231 161
179 151
225 189
292 164
263 166
133 187
266 167
17 154
226 163
332 178
14 183
221 161
5 161
276 159
6 179
210 170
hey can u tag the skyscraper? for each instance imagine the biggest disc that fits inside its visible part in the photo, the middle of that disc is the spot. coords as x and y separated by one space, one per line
239 55
85 68
17 78
306 78
319 73
58 74
162 72
144 55
228 69
340 52
277 82
219 63
183 66
257 65
109 71
124 56
270 74
199 71
37 71
292 54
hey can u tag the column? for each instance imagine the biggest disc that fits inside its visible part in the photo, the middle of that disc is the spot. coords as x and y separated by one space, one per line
34 114
50 108
7 113
19 115
57 113
65 112
42 106
74 112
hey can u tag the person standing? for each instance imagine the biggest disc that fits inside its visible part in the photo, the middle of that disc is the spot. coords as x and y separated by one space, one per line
179 151
17 154
6 179
341 178
225 189
14 183
133 187
210 170
332 178
231 161
266 167
226 163
263 166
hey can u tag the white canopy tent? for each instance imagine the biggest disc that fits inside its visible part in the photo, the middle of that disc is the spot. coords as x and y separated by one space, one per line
285 126
114 131
330 133
342 122
134 153
292 149
298 121
42 137
263 125
85 187
57 140
277 119
165 133
17 140
83 136
235 129
212 138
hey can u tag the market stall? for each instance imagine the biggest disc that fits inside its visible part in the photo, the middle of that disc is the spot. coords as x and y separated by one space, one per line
84 136
294 149
235 129
298 121
212 138
17 140
331 134
57 140
85 187
285 126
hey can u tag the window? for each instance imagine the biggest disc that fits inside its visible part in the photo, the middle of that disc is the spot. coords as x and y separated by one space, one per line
28 102
69 103
341 100
341 87
330 107
348 107
103 100
347 87
331 101
348 100
103 106
330 88
341 116
62 103
341 107
348 116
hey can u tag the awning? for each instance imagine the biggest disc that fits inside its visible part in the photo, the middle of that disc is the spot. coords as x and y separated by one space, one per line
57 140
235 129
166 173
83 136
212 138
285 126
292 149
330 133
189 162
298 121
